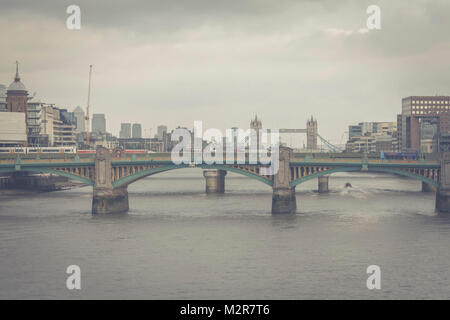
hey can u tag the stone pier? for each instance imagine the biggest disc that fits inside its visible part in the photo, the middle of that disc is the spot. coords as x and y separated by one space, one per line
214 181
283 197
105 198
427 187
106 201
323 184
443 193
284 201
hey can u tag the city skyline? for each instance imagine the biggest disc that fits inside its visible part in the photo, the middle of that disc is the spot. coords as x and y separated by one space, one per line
180 67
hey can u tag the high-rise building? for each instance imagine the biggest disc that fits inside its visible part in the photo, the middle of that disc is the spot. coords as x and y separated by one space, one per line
136 130
99 123
311 134
81 121
161 131
423 116
125 131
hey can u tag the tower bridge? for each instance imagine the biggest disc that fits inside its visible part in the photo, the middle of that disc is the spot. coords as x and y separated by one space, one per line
110 173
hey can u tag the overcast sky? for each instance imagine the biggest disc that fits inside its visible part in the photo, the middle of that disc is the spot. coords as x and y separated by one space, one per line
173 62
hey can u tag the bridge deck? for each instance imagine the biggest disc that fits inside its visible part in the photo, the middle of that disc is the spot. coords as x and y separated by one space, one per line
144 159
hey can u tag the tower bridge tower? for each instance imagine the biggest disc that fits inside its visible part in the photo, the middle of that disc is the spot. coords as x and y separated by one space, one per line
311 134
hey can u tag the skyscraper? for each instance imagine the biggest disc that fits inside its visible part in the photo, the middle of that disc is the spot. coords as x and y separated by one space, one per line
137 130
79 115
125 131
98 123
161 131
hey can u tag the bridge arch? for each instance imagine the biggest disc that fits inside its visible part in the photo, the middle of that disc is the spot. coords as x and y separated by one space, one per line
52 171
142 174
358 169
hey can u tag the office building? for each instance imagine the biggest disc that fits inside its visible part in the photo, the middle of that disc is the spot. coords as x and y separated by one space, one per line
161 131
58 128
373 137
98 123
125 131
423 120
81 121
354 131
136 130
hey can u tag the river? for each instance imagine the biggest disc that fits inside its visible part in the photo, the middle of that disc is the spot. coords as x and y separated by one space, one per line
176 242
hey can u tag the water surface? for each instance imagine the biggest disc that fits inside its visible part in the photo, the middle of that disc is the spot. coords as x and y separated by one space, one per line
179 243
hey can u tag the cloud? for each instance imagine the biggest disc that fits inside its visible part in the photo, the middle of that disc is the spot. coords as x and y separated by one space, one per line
173 62
336 32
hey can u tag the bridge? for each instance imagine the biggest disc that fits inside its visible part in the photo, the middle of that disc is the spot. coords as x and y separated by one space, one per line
110 172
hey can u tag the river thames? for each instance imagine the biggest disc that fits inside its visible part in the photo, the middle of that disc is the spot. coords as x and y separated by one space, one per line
176 242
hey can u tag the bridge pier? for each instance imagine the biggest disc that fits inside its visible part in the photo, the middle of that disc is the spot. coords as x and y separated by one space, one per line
283 197
214 181
105 198
443 193
106 201
284 201
323 184
427 187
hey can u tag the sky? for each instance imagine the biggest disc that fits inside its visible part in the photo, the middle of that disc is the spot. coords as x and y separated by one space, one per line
222 62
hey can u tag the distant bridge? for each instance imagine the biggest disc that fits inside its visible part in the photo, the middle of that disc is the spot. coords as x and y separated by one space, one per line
110 172
331 147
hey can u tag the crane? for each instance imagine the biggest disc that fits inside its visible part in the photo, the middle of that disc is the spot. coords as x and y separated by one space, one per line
87 110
